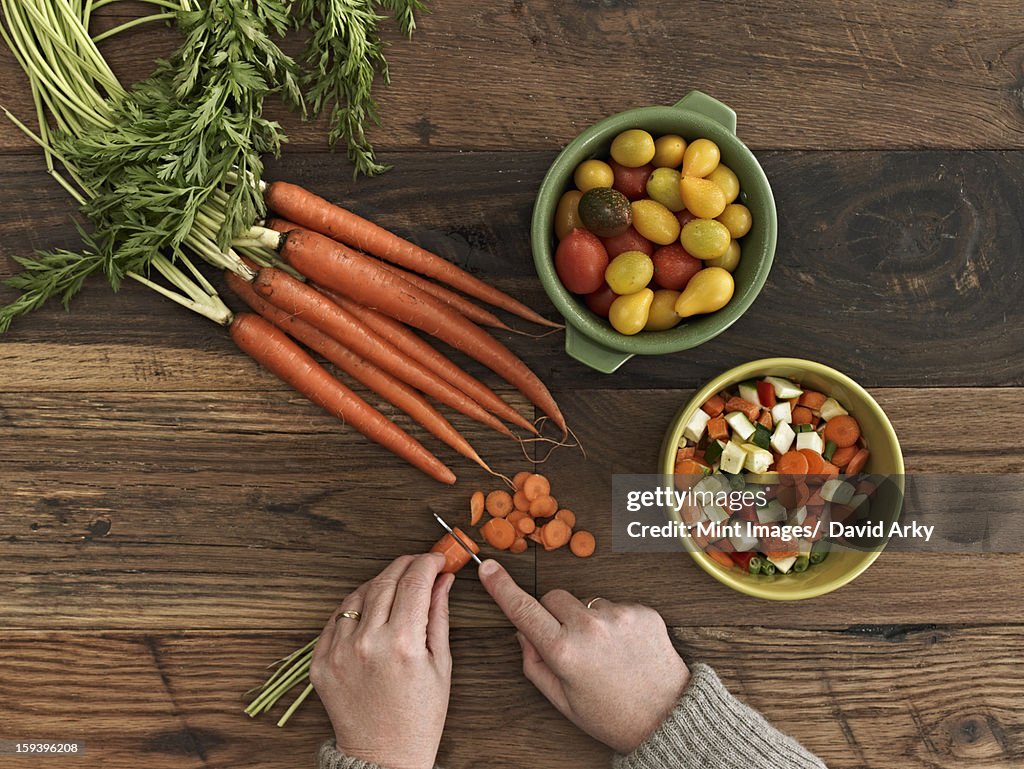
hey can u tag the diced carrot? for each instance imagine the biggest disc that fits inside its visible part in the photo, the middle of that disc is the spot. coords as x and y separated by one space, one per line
719 557
520 479
718 429
714 405
858 462
841 457
749 410
498 503
543 507
555 534
690 511
518 545
691 467
812 400
842 430
766 418
802 415
476 507
568 516
520 502
792 466
536 486
686 452
582 544
525 525
499 533
455 555
815 463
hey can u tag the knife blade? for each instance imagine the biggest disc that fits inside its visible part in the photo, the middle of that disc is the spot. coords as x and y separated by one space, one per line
456 537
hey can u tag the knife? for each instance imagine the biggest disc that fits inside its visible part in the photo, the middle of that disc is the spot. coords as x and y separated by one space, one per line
456 537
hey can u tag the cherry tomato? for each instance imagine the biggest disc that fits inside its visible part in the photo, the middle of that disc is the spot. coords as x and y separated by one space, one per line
600 301
630 240
631 182
674 266
580 261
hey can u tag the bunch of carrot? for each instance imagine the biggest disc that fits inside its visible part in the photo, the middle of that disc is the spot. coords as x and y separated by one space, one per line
309 283
516 518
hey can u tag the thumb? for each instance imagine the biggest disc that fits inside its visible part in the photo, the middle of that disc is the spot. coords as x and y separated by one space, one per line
535 622
540 675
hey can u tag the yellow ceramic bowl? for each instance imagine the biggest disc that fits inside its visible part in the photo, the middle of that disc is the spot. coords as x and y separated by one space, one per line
841 566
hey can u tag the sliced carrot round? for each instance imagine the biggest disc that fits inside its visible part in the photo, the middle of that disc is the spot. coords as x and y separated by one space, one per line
518 545
841 457
857 463
582 544
543 507
520 479
566 515
525 525
520 502
842 430
815 462
499 503
802 415
499 533
792 466
555 534
476 508
536 486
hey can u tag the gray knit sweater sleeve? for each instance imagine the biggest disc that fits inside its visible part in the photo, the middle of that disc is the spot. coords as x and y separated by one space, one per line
711 729
330 758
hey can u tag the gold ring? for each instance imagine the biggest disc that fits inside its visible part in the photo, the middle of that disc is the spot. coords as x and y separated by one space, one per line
592 601
348 614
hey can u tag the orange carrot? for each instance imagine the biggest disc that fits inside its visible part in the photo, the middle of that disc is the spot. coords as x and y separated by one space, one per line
792 464
582 544
520 502
395 391
555 534
518 545
355 275
272 348
566 515
520 478
476 508
543 507
499 533
841 457
714 405
812 400
525 525
296 298
536 486
857 463
686 452
719 557
455 555
498 503
843 430
516 516
766 418
736 403
718 429
815 462
309 210
802 416
413 346
691 467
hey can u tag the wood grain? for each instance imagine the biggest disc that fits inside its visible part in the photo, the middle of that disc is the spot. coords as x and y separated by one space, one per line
804 74
864 697
883 257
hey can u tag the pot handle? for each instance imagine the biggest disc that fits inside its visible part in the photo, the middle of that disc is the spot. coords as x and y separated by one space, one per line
701 103
591 353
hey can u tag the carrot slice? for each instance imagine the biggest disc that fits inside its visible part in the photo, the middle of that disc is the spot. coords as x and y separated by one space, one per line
841 457
691 467
520 479
765 419
499 503
476 507
812 400
566 515
525 525
857 463
815 462
455 555
714 405
736 403
792 466
802 415
543 507
518 545
582 544
499 533
555 534
536 486
520 502
842 430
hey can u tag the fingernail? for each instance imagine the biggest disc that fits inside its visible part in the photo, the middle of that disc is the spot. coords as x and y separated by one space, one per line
488 567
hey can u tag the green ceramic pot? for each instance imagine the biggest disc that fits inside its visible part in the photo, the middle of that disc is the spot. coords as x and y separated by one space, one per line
842 565
589 338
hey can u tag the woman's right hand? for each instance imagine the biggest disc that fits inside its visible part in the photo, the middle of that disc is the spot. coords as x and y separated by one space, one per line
610 669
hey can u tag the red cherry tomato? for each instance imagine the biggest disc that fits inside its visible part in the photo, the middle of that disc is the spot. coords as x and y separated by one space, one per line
684 216
580 261
600 301
673 267
630 240
631 182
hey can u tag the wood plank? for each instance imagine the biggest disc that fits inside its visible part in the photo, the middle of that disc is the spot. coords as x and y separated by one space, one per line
920 269
804 74
940 588
868 697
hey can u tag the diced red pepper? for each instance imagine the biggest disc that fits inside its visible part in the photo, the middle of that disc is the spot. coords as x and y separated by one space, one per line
766 394
742 559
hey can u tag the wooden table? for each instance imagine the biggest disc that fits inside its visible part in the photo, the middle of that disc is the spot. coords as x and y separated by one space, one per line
173 518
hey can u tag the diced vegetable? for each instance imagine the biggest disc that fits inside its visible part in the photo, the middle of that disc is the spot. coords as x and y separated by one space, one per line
773 512
782 412
695 427
742 426
715 513
783 564
783 437
733 456
743 542
758 460
809 440
749 392
799 515
766 394
714 451
830 450
762 437
837 491
831 408
784 389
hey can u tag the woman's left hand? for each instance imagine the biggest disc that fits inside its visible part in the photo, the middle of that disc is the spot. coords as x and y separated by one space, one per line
385 678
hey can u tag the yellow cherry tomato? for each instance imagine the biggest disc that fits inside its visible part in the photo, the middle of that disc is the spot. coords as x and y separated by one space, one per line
593 173
668 151
705 238
567 215
628 313
633 148
730 260
709 290
663 186
737 219
702 198
700 158
662 315
725 178
655 222
628 272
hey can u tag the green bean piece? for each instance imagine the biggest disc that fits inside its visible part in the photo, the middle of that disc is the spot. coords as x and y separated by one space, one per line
801 564
768 569
830 449
755 564
817 556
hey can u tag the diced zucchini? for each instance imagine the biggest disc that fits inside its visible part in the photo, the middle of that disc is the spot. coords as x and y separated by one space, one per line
742 542
803 428
782 412
709 484
809 440
762 436
733 457
783 565
758 460
831 408
783 437
713 452
748 392
697 424
798 516
742 426
715 513
784 388
773 512
837 491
